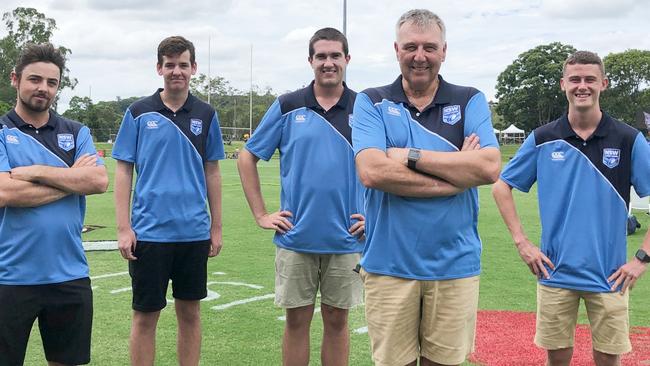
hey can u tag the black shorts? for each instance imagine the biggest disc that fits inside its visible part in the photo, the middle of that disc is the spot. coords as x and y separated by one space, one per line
183 263
64 311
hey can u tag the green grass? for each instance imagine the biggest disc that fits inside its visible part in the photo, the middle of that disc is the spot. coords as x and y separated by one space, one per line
250 334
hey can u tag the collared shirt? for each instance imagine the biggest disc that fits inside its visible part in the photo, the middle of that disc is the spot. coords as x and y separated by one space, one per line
319 182
421 238
42 245
583 187
169 150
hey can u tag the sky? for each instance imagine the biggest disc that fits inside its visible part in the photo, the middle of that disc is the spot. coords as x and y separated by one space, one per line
114 42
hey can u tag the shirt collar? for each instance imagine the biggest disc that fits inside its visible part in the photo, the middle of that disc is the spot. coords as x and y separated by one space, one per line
601 130
160 106
443 95
311 102
51 122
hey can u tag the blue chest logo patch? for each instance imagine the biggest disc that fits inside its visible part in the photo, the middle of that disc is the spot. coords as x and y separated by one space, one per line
196 126
66 141
611 157
451 114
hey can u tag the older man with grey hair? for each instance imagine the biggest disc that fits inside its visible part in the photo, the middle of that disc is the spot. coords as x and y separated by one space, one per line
422 146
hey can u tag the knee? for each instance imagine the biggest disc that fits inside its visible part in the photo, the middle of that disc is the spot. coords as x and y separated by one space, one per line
299 318
188 312
144 320
334 319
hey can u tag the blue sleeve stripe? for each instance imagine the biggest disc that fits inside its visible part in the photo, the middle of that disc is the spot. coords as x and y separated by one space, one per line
44 148
334 129
590 164
178 129
513 185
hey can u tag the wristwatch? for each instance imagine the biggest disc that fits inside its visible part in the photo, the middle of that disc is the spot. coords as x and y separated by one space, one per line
413 157
642 256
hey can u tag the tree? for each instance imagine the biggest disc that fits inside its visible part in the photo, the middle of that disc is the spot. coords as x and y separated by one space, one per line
629 84
528 90
102 118
25 25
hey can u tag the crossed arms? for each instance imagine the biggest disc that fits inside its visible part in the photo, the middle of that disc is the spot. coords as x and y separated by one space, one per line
438 173
37 185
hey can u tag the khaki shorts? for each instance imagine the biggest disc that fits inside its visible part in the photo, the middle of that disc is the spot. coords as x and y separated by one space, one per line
410 318
299 275
557 315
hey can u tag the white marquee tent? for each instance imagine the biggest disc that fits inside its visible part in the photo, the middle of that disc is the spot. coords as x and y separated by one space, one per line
513 135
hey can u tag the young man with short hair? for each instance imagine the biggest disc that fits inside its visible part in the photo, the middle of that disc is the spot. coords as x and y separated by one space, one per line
48 164
174 141
584 164
319 225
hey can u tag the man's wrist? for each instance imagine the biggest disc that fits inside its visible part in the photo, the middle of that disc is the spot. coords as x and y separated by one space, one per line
412 157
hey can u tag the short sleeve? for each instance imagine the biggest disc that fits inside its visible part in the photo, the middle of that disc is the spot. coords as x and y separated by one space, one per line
478 120
521 171
641 166
126 142
214 145
367 126
4 158
268 134
85 145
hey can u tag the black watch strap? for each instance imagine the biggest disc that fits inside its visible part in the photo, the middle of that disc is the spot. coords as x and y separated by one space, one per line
413 157
642 256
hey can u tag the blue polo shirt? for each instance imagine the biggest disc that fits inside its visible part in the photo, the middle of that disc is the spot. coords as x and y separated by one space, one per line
583 189
319 182
169 150
421 238
42 245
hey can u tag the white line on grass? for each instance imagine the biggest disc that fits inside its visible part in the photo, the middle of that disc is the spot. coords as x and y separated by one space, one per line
124 289
257 287
241 302
362 330
108 275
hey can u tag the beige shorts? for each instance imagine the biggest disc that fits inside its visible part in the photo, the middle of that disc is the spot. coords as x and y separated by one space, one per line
410 318
557 315
298 277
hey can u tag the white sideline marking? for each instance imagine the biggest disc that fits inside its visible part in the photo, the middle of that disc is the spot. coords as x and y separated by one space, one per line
362 330
108 275
124 289
284 317
257 287
218 273
244 301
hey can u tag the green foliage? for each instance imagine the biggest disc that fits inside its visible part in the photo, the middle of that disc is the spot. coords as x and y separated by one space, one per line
102 118
26 25
232 105
5 107
629 78
528 90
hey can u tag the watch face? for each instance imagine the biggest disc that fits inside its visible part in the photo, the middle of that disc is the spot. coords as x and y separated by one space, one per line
642 256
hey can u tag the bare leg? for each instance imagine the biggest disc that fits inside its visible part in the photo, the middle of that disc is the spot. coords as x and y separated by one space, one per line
295 344
335 349
188 342
142 343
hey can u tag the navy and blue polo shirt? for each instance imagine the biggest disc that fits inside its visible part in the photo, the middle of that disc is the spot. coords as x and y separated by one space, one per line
421 238
319 182
42 245
583 189
169 150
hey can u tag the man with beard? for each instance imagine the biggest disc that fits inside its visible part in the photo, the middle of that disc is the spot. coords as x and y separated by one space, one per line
422 146
319 226
584 164
174 142
47 166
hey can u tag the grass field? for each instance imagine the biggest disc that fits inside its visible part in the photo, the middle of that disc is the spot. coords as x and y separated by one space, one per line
250 333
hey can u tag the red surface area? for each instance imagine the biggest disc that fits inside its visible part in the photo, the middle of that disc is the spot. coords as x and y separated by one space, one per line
506 338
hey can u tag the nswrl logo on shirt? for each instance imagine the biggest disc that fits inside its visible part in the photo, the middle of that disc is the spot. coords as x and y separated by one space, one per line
196 126
611 157
66 141
451 114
